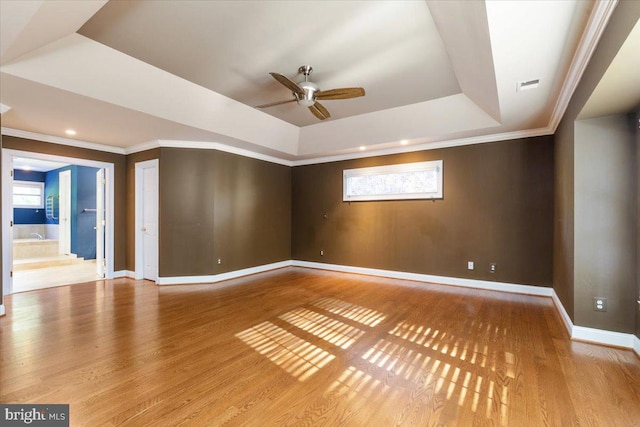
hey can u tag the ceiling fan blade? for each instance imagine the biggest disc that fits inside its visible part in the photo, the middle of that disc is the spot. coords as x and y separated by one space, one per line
272 104
319 111
288 83
342 93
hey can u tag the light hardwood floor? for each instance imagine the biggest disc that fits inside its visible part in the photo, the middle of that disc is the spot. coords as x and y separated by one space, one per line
306 347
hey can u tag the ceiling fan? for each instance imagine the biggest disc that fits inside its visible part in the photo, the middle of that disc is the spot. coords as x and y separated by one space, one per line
307 93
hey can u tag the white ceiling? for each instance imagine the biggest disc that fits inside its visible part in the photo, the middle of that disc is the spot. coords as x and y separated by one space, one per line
128 74
36 165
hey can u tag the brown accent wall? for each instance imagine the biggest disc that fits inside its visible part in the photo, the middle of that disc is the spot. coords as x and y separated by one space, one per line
497 207
563 247
132 159
605 222
1 219
566 241
119 182
635 123
219 205
252 211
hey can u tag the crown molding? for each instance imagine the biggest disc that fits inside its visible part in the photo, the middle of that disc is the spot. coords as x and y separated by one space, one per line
150 145
428 146
596 26
61 141
203 145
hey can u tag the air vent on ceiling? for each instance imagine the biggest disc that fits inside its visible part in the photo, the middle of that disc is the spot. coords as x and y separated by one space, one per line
528 84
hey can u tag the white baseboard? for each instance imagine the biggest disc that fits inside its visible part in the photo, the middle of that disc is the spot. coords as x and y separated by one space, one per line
593 335
442 280
2 312
123 273
563 313
601 336
187 280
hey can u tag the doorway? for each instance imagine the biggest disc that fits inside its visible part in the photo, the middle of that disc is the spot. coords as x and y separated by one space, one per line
57 208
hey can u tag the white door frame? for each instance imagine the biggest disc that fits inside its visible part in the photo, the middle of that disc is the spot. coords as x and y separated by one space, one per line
7 208
100 183
64 209
139 244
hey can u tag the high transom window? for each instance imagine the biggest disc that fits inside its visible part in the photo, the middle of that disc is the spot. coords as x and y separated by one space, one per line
421 180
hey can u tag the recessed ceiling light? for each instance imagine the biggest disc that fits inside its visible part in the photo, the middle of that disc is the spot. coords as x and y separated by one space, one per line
70 132
362 148
404 142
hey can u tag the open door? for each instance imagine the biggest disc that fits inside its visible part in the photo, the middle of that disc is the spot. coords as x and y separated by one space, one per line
65 212
100 223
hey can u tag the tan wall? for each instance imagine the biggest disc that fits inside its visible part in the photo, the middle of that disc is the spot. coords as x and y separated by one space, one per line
497 207
119 182
219 205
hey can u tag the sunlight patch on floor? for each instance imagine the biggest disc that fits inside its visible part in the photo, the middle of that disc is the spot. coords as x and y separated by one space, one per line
298 357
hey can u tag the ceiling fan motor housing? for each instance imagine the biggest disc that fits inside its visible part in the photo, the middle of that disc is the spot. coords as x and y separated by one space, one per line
309 97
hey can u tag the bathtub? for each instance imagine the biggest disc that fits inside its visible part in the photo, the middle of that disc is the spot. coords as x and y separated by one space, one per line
34 248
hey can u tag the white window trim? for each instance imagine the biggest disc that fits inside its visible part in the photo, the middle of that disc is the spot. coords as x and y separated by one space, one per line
40 185
436 165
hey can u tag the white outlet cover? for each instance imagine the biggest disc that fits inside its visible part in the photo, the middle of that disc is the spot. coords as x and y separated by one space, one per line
470 265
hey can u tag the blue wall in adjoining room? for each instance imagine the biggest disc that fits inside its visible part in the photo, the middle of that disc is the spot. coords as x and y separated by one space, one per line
86 199
83 196
51 188
27 215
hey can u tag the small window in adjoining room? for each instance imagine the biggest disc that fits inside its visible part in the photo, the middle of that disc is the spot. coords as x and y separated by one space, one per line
27 194
422 180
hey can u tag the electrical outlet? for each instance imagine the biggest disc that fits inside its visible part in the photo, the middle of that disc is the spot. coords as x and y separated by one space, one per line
321 252
493 267
599 304
219 260
470 265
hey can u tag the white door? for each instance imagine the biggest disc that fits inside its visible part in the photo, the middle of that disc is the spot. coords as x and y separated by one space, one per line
65 212
147 220
100 184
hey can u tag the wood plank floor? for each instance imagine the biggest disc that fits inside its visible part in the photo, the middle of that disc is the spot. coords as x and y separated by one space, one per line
296 347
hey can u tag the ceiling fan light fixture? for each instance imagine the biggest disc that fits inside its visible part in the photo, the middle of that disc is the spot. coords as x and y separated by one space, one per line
310 90
306 102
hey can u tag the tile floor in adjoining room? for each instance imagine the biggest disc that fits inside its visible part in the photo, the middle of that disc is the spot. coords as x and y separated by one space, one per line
40 278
